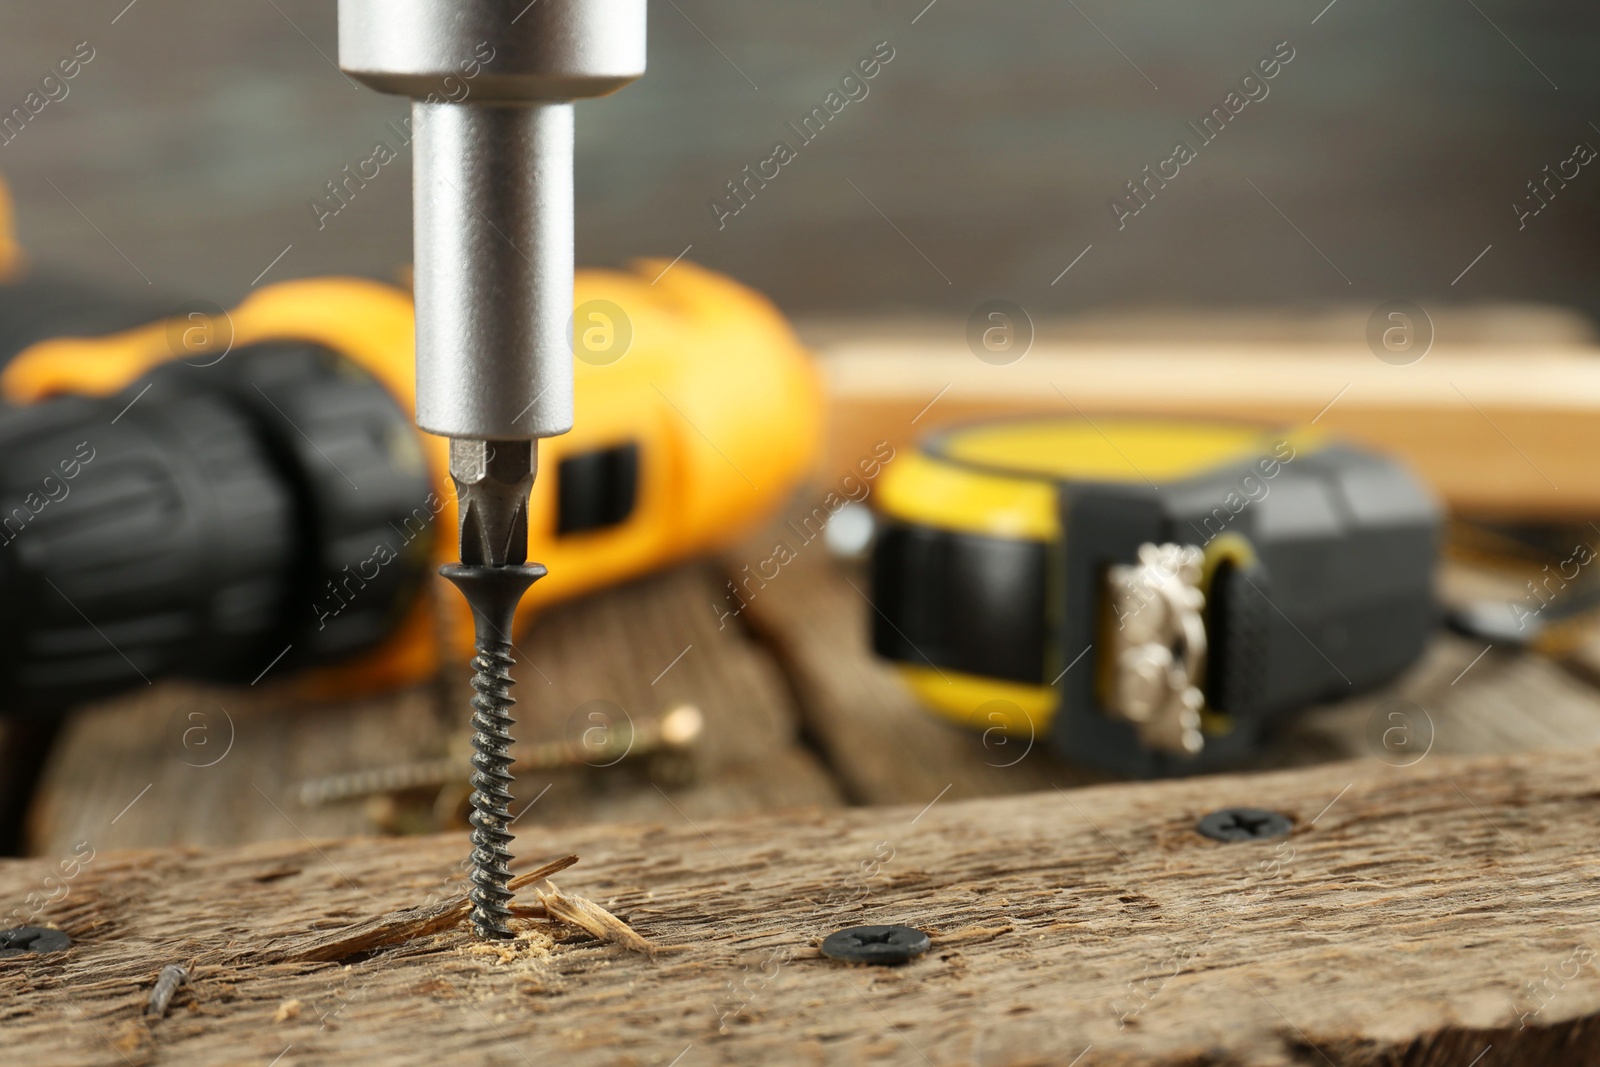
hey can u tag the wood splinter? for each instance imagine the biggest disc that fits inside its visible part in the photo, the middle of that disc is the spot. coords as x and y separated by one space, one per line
577 911
409 924
591 918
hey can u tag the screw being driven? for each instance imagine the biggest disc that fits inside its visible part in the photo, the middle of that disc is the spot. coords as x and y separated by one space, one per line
491 793
493 592
493 479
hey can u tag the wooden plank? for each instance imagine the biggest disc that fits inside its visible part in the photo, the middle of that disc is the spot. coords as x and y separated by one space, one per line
1439 914
1478 326
1494 434
165 752
885 748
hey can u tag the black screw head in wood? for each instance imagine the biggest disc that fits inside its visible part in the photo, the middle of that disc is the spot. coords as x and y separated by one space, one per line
875 944
22 940
1244 824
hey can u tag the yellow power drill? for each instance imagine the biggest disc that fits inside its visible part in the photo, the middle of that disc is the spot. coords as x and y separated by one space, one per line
222 492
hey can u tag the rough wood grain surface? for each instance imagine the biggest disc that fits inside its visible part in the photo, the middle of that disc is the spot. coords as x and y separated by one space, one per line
1426 915
185 764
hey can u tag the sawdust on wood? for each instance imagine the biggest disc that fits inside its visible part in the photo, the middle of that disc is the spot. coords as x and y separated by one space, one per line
531 945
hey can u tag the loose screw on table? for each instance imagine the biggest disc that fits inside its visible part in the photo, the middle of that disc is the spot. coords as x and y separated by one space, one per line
674 732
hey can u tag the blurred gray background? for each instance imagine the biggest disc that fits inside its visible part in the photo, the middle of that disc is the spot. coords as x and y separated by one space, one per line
1386 158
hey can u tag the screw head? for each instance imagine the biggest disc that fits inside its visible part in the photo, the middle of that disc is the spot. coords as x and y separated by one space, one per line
875 944
1244 824
21 940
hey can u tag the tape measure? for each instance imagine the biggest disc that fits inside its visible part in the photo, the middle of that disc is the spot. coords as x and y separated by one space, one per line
1148 595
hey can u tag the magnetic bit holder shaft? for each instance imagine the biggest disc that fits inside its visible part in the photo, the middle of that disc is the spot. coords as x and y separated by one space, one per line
493 85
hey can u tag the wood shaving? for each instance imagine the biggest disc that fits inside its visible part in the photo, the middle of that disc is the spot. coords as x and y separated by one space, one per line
370 934
590 917
408 924
411 923
540 874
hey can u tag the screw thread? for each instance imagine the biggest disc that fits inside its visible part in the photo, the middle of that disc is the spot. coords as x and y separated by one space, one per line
491 796
493 592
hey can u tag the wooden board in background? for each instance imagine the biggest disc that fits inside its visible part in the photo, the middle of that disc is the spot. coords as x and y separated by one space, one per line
1440 914
1508 434
149 752
1478 326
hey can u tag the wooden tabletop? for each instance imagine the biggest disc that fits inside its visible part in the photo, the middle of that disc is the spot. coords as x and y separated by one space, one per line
1438 914
797 714
1417 918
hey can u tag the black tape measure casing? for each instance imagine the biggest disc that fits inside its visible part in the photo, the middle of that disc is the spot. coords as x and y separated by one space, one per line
1319 571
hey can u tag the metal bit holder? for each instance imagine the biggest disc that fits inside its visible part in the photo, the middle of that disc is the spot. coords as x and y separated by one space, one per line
494 264
492 196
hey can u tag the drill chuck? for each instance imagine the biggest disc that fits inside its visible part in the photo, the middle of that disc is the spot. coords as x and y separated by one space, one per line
550 50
